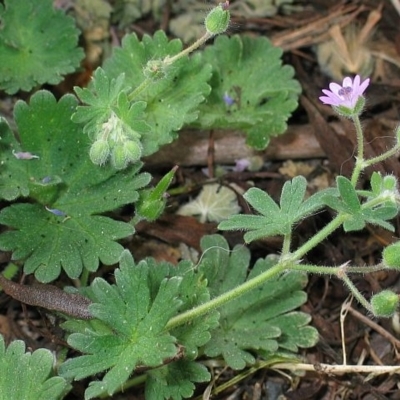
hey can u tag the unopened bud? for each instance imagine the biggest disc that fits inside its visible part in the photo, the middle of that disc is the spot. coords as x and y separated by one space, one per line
99 152
152 201
384 304
133 150
119 158
389 183
217 21
351 112
155 70
391 256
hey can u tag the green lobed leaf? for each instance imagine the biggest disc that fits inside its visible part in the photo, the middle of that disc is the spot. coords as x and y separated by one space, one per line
376 183
139 337
296 331
38 44
261 202
292 195
259 320
13 182
61 229
361 214
248 72
50 243
101 98
134 313
258 226
193 291
354 223
171 101
348 194
315 202
275 220
334 202
380 215
175 381
28 376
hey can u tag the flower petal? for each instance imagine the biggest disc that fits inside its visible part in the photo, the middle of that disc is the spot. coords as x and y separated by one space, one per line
363 86
328 100
347 82
334 87
332 95
356 82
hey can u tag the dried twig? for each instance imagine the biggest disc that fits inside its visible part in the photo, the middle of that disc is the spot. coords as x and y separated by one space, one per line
316 30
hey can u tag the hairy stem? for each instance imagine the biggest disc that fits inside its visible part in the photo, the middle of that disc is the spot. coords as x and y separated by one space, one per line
226 297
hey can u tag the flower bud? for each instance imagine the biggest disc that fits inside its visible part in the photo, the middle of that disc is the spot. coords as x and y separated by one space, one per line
152 202
390 183
347 112
217 21
384 304
155 70
133 150
119 158
391 256
99 152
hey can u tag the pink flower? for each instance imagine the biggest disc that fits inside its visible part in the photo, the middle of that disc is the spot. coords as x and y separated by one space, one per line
346 95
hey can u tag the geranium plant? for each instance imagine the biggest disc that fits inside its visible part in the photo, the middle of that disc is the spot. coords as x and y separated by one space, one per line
76 159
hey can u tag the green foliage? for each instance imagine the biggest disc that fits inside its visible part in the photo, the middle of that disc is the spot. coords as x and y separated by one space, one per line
62 228
275 219
175 381
380 184
111 120
105 97
152 201
156 319
37 45
139 96
347 201
172 101
260 320
28 376
134 313
239 65
133 322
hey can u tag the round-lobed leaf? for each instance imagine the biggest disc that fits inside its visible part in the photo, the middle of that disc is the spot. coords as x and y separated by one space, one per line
38 44
238 101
